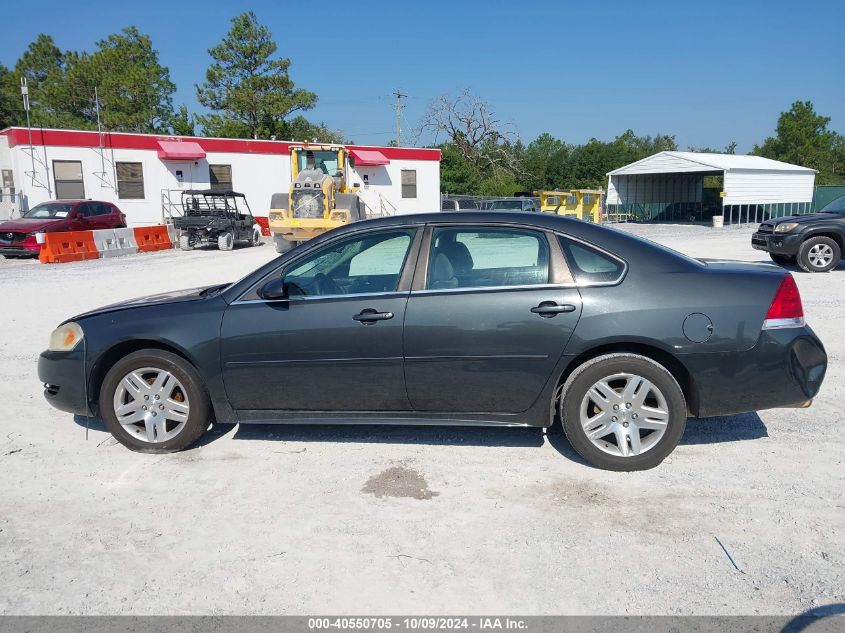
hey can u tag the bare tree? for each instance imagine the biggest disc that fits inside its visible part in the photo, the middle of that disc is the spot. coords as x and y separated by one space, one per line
469 123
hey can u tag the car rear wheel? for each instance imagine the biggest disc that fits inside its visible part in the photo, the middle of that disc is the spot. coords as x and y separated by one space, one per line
819 255
282 245
623 412
226 241
783 260
153 401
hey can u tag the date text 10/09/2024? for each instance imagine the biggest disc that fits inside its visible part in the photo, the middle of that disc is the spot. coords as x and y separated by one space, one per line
416 623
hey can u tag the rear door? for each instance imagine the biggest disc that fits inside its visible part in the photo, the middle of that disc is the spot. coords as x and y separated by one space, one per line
490 314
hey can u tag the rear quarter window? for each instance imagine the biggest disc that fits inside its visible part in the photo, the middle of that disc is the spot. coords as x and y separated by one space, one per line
590 265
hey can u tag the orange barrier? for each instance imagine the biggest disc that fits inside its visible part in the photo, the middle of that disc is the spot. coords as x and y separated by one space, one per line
72 246
264 222
152 238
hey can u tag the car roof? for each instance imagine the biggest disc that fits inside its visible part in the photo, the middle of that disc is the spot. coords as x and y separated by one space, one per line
74 201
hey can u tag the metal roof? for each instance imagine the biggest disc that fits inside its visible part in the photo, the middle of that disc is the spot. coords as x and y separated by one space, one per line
672 162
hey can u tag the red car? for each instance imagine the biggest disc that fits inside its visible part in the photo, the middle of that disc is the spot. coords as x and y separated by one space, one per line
17 237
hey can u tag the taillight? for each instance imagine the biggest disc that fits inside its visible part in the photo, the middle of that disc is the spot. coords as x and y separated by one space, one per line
786 309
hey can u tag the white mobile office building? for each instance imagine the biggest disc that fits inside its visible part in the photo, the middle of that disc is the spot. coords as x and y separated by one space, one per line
670 186
144 173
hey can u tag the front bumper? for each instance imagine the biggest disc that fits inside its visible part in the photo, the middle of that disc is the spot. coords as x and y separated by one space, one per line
63 375
784 369
20 250
302 229
778 243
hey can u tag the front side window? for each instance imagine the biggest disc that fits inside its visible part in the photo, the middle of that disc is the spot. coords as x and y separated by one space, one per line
589 265
487 257
130 181
357 265
67 175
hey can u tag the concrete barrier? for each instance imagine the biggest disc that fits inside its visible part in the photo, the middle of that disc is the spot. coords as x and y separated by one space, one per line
105 242
125 242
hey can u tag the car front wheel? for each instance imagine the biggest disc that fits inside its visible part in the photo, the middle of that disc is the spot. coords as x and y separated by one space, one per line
226 241
282 245
819 255
623 412
154 401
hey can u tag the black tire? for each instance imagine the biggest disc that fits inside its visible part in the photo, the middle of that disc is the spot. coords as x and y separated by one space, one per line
807 260
585 376
783 260
199 413
185 242
256 237
282 245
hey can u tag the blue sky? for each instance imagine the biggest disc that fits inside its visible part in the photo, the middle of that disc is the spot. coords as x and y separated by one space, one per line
708 72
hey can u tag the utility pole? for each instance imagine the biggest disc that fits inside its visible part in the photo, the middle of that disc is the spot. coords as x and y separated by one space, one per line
399 107
25 95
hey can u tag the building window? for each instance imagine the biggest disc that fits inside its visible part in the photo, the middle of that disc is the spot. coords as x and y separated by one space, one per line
130 181
220 177
409 183
67 175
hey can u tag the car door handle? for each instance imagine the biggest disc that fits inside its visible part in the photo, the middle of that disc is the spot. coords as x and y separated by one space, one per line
548 309
370 316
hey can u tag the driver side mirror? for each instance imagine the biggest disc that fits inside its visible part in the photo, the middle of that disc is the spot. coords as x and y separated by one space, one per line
274 290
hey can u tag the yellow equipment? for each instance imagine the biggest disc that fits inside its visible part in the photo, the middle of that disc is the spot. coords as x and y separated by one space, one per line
319 198
583 204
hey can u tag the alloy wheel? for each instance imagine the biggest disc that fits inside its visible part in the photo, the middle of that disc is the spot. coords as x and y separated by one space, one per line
820 255
624 415
151 404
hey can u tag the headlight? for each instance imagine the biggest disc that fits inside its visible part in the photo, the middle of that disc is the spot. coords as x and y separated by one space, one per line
65 337
785 227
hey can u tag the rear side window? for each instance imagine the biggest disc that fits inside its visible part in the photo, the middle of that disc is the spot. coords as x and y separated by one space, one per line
487 257
590 265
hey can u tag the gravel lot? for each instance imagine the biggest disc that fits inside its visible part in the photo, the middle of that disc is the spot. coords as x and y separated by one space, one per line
297 520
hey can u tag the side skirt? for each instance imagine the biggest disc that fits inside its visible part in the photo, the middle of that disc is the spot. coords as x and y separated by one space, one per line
408 418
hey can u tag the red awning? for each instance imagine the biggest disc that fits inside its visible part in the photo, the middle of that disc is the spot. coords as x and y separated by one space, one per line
180 150
368 157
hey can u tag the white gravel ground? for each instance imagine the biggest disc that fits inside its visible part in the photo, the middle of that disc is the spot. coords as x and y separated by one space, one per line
296 520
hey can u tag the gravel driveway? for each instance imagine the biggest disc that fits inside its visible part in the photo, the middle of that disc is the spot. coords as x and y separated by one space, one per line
747 516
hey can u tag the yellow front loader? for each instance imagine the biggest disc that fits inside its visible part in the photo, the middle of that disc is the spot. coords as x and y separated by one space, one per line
319 198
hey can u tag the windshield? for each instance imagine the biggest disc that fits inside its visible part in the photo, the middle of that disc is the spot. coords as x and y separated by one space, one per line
324 160
836 206
50 211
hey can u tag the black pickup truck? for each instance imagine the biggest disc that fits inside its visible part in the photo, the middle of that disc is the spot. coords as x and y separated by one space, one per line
814 241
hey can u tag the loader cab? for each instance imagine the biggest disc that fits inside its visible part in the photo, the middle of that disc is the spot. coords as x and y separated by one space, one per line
329 159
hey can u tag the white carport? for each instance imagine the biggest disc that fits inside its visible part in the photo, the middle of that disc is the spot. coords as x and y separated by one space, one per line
670 186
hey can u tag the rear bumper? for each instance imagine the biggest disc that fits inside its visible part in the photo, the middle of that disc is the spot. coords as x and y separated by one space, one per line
784 369
780 244
63 375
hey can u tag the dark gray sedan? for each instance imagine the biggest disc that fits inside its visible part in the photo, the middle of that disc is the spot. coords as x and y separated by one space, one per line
490 318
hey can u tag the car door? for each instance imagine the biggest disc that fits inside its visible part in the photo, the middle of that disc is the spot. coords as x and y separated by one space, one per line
335 342
489 316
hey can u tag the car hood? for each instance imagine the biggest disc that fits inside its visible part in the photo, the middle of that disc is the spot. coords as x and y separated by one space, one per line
28 225
806 219
175 296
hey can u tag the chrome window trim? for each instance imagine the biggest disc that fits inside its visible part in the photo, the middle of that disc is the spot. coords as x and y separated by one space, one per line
429 291
383 295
